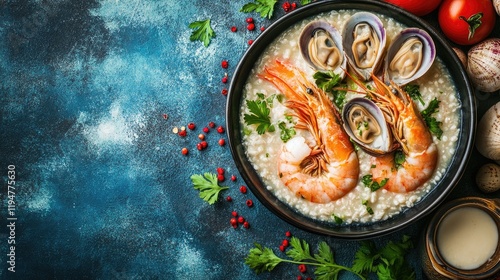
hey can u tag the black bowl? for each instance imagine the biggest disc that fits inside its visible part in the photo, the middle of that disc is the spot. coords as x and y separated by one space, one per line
356 230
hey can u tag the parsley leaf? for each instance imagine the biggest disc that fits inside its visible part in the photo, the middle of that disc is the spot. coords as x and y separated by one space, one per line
399 158
432 123
264 7
305 2
262 259
414 92
368 208
373 185
208 186
202 31
286 133
259 115
327 81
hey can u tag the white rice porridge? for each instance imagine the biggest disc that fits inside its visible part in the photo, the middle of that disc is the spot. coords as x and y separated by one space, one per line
262 150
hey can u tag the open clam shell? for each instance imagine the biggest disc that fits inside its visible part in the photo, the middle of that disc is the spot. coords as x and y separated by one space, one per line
365 123
409 56
321 46
364 40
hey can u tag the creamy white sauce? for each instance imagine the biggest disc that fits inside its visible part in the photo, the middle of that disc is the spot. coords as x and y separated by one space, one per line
467 238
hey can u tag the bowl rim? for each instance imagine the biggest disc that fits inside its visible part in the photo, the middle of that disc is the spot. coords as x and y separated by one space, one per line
357 231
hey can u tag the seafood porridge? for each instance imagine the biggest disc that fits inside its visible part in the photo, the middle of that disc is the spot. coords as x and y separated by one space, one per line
350 146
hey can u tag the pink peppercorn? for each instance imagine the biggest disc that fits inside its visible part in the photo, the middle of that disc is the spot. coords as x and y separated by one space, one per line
220 129
233 178
246 224
222 142
251 26
224 64
229 198
243 189
211 124
234 29
250 42
249 20
206 130
224 91
249 203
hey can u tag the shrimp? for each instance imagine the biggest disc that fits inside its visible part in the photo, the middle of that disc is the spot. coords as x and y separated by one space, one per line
327 168
413 135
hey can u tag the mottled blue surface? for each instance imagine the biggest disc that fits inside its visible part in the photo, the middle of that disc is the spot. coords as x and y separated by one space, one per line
102 189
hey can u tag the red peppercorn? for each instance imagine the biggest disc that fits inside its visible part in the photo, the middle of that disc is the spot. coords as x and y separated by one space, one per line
182 133
302 268
249 203
241 220
249 20
224 79
234 29
285 242
221 178
185 151
211 124
229 198
243 189
165 116
288 234
234 214
191 126
233 222
220 170
251 26
201 136
224 91
199 147
246 224
206 130
299 277
222 142
294 6
282 248
224 64
287 7
220 129
233 178
250 42
262 28
204 144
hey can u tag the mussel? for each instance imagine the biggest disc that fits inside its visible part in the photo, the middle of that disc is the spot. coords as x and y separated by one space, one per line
321 46
364 40
365 123
409 56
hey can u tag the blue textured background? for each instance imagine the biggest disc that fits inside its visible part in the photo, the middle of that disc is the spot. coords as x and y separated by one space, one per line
102 188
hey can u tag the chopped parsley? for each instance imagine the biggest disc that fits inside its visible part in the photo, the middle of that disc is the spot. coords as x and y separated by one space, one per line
338 220
433 124
328 81
373 185
208 186
368 208
414 92
399 158
264 7
259 115
286 133
202 31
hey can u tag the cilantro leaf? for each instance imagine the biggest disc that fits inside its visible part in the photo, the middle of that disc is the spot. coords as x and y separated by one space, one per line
264 7
373 185
208 186
300 250
365 258
414 92
259 116
262 259
202 31
433 124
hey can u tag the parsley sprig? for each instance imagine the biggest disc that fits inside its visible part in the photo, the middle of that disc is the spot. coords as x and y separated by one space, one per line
202 31
414 92
373 185
264 7
433 124
208 186
388 262
328 81
259 113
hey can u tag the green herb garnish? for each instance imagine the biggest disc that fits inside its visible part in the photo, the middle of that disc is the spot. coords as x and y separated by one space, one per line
202 31
399 158
338 220
373 185
208 186
432 123
328 81
414 92
387 262
259 116
286 133
264 7
305 2
368 208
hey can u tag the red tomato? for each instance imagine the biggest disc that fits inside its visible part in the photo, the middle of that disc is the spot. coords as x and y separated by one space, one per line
466 22
416 7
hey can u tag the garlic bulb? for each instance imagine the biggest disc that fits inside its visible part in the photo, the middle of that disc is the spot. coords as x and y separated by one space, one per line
483 65
488 133
488 178
461 55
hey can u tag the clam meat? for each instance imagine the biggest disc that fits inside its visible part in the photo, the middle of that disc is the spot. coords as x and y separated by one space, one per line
409 56
321 46
365 123
364 41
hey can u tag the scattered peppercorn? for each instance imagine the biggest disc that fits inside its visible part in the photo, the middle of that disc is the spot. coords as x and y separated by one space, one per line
241 220
234 214
302 268
191 126
262 28
246 224
220 170
182 133
220 129
282 248
229 198
294 6
249 20
222 142
224 64
250 42
299 277
221 178
287 7
243 189
185 151
211 124
288 234
251 26
206 130
233 178
233 222
224 91
234 29
201 136
204 144
285 242
249 203
165 116
224 79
